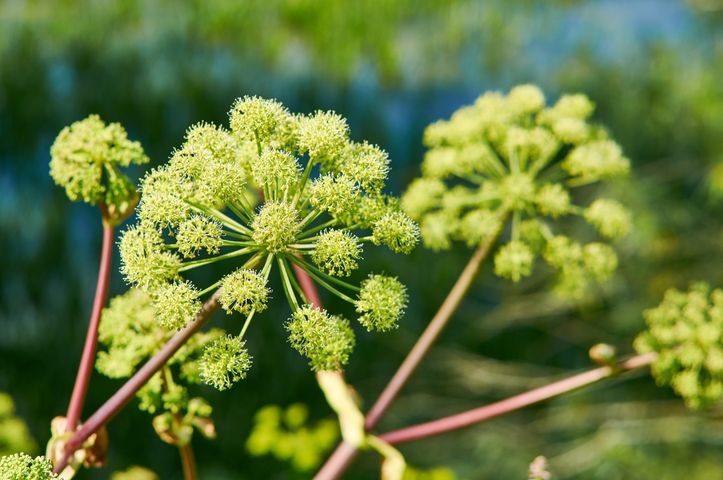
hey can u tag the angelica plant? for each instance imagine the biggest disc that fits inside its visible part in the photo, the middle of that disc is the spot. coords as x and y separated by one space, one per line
322 200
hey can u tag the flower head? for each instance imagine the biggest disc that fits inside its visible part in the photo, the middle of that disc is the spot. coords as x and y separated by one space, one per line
686 331
85 160
21 466
326 340
244 291
510 157
225 361
321 199
381 302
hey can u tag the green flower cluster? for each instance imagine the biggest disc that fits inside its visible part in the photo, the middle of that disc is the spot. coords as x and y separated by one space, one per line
21 466
321 200
510 156
686 331
85 160
284 433
131 334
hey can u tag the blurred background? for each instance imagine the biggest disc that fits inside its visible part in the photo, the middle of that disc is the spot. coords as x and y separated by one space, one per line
654 69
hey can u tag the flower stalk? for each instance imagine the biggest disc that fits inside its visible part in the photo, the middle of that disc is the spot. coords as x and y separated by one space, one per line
82 379
496 409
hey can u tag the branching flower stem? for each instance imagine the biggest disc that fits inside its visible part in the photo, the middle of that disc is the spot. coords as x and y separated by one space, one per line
80 388
344 453
124 395
481 414
435 327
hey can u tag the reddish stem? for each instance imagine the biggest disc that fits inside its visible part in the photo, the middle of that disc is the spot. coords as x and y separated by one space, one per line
115 403
80 389
188 460
477 415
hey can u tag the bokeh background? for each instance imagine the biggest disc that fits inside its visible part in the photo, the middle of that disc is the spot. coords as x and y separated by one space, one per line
654 69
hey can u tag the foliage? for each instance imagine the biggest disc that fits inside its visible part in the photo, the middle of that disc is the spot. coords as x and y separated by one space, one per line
286 434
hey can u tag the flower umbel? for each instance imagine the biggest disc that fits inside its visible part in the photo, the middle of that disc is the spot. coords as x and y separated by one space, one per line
321 202
511 157
86 161
686 331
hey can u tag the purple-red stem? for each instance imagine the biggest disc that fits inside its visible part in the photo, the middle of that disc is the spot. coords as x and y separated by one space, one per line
80 389
477 415
126 392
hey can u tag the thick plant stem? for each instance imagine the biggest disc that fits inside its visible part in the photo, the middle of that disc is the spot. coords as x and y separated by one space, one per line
435 327
77 399
115 403
344 454
188 460
477 415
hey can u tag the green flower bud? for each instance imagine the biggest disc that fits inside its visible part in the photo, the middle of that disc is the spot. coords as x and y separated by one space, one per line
366 164
600 260
327 341
686 331
338 195
21 466
553 200
561 251
477 225
143 263
244 291
198 233
162 201
397 231
609 217
89 151
518 190
382 301
574 106
260 120
437 229
571 130
225 361
422 195
176 304
526 99
597 160
440 162
324 136
514 261
276 169
276 226
337 252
